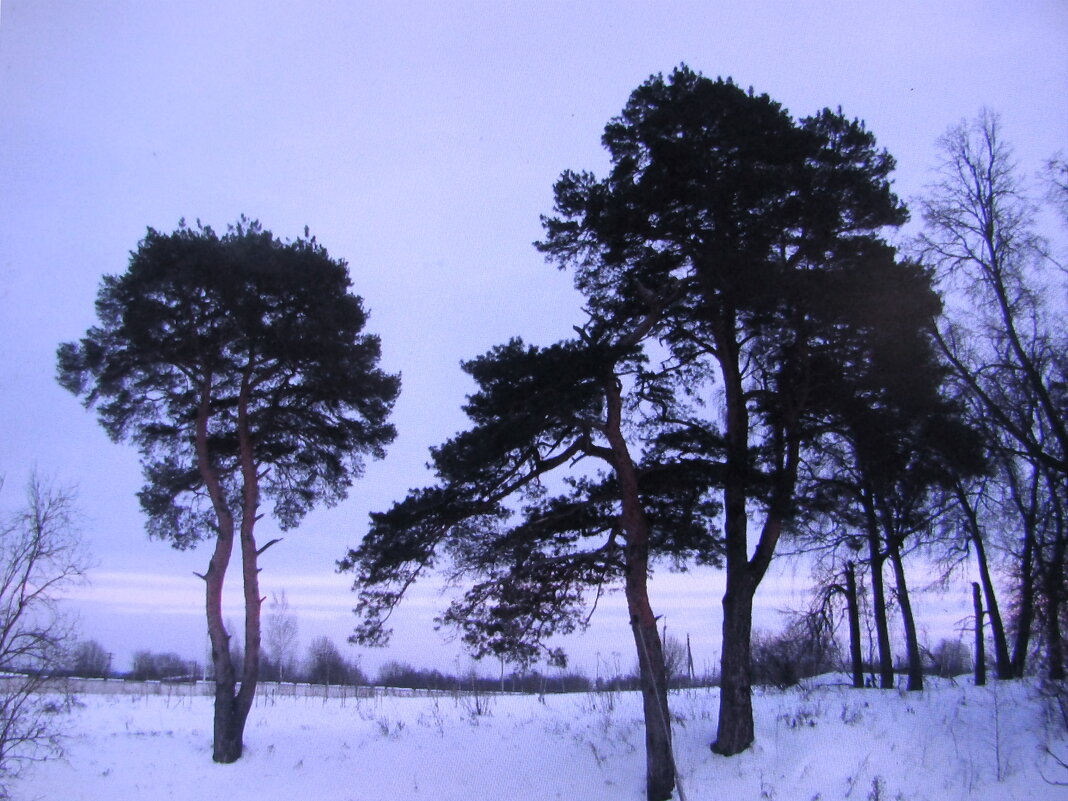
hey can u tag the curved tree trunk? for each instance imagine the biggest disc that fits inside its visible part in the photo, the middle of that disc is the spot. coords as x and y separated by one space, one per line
227 734
232 703
659 760
227 729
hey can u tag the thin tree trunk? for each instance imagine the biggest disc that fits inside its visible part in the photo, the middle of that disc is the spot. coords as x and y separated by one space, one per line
853 610
1003 662
659 760
912 645
882 627
980 639
242 700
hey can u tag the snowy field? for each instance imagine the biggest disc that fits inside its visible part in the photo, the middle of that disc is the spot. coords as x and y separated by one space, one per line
819 742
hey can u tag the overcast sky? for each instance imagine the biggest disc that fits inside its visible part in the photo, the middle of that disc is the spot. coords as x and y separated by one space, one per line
419 142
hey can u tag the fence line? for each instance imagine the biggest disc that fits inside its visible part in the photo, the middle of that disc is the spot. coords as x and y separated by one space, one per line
189 689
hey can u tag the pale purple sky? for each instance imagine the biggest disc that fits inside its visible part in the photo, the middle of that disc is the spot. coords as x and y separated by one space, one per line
420 142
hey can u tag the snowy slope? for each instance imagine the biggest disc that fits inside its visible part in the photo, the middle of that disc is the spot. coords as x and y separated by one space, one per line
823 742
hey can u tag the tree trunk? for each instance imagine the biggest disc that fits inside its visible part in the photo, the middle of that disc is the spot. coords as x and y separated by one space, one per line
882 627
912 644
659 760
228 724
980 639
853 609
250 571
232 704
1026 616
1003 663
735 731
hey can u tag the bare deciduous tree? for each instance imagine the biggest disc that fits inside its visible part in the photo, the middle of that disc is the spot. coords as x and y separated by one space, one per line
280 632
1006 347
40 556
327 665
89 659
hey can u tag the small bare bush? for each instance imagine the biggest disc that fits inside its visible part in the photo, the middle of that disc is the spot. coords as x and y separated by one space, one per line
800 651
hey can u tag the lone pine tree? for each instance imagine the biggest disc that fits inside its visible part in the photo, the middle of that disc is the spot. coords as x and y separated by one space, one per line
561 416
239 366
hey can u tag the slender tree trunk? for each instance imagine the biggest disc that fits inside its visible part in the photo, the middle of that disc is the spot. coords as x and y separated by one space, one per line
659 760
980 639
242 699
912 645
853 610
1003 662
882 627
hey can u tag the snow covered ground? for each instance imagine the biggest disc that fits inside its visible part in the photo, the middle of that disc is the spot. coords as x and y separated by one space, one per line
820 742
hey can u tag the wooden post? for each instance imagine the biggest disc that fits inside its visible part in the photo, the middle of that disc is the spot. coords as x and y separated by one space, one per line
980 640
689 661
